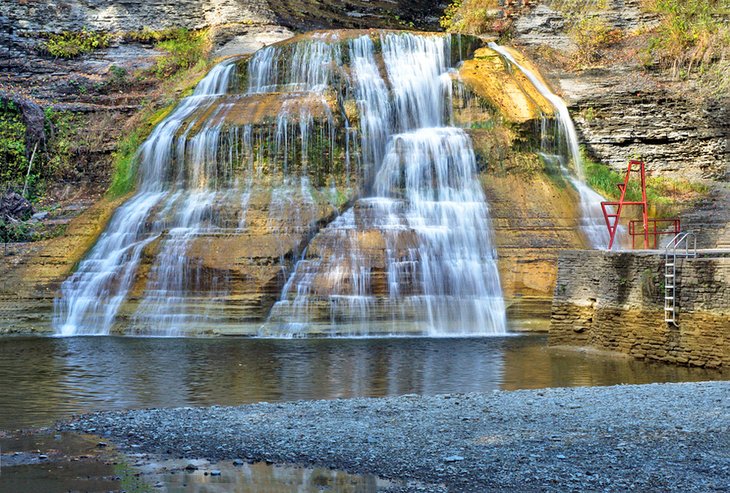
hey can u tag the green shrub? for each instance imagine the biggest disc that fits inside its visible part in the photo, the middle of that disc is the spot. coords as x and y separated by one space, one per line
469 16
58 160
71 44
592 34
185 50
118 77
13 158
692 34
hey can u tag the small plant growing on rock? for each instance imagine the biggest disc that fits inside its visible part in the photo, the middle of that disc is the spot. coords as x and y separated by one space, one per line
118 77
592 34
72 44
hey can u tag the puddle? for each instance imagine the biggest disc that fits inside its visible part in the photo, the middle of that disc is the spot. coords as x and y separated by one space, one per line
47 462
44 462
200 476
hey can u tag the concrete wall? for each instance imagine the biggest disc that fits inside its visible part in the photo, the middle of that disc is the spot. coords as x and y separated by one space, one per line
615 302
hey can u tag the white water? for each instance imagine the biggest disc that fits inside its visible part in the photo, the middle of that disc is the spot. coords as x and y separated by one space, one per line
427 206
436 270
91 298
592 221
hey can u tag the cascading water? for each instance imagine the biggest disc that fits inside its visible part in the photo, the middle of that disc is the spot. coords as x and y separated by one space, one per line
91 298
592 220
427 210
266 151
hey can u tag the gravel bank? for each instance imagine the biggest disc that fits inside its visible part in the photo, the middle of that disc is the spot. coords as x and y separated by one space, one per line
661 437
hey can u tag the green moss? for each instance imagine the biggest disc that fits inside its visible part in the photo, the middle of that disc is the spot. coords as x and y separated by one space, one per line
72 44
125 165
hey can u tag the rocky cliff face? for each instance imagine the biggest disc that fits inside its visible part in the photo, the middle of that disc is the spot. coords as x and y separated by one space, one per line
623 111
30 17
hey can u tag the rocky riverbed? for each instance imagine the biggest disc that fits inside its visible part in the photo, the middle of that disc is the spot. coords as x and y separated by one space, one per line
660 437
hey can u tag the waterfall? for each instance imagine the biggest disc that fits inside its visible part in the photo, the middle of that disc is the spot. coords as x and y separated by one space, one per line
267 146
92 296
426 206
592 220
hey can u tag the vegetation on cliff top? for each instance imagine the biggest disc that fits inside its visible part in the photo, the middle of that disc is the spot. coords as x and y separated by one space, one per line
469 16
694 35
691 38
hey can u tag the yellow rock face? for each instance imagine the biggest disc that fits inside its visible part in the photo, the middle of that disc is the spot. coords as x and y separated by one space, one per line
508 90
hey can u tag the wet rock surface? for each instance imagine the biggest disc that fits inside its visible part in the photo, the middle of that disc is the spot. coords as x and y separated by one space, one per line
671 437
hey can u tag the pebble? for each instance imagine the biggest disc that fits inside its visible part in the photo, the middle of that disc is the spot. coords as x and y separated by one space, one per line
453 458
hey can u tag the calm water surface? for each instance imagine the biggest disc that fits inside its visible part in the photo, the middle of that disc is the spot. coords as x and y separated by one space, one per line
46 379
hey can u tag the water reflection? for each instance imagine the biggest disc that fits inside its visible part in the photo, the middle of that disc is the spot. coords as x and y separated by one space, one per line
42 380
40 463
171 477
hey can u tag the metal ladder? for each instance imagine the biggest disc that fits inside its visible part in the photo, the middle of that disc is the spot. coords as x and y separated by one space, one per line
671 253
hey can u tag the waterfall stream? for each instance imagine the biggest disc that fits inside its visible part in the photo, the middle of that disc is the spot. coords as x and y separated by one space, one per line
592 221
91 298
426 205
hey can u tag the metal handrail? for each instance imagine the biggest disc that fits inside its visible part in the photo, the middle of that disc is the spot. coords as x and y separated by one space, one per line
682 237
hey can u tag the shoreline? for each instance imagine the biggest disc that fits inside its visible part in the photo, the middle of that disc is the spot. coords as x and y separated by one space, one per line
655 437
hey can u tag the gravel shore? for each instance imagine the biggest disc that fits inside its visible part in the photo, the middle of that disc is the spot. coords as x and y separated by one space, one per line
660 437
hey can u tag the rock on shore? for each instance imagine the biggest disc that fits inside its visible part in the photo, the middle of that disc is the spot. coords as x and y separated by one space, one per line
659 437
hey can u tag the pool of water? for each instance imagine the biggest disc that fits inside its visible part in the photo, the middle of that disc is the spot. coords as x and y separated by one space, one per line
43 463
46 379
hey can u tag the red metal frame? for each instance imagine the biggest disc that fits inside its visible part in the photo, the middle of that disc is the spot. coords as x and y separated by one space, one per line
654 230
613 218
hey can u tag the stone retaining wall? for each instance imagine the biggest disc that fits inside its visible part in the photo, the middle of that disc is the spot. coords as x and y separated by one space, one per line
615 301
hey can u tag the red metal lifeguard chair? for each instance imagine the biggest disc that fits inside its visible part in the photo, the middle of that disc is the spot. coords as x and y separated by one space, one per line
644 227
